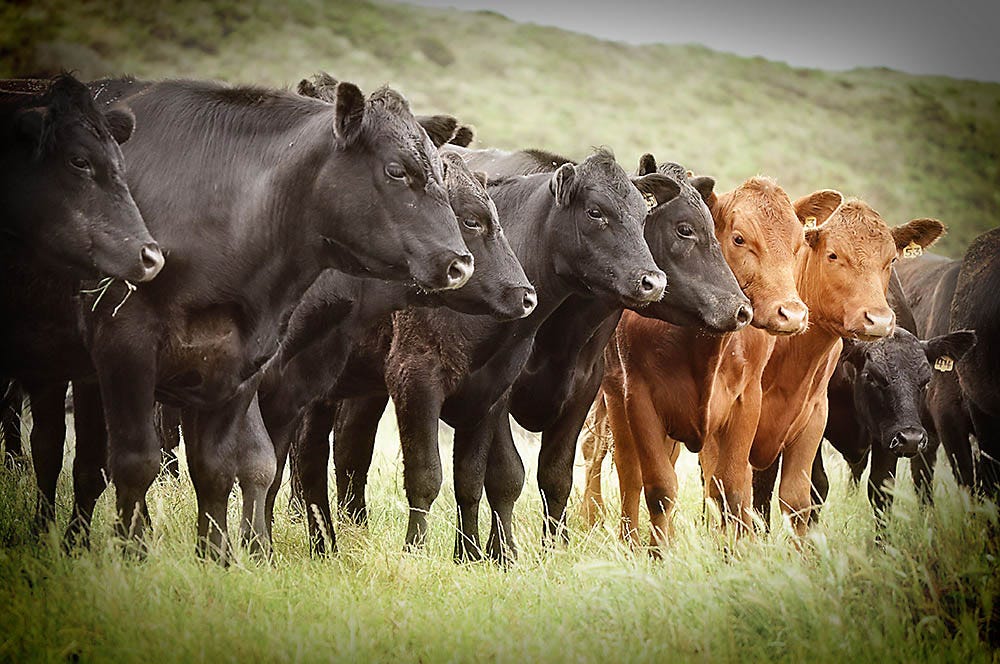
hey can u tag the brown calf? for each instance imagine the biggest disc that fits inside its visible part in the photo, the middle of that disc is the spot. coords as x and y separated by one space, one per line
666 383
843 274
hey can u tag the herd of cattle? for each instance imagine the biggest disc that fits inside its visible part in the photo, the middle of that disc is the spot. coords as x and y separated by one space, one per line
258 268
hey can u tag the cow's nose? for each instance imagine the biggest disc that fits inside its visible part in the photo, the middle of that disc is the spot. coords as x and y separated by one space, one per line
879 323
651 286
908 442
151 259
459 271
793 316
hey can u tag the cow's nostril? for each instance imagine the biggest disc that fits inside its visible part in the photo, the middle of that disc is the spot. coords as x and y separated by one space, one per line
529 302
151 259
459 271
744 314
651 285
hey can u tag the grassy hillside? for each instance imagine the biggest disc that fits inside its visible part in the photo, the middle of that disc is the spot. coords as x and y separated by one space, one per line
912 146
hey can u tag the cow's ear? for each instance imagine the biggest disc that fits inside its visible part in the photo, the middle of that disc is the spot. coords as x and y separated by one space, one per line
307 89
647 165
562 184
30 124
656 189
920 232
815 208
350 112
441 128
482 177
463 136
953 345
705 186
121 122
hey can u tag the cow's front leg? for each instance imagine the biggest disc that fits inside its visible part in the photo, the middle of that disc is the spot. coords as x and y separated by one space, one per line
257 472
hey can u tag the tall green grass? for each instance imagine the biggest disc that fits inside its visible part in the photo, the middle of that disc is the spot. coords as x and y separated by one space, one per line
930 594
912 146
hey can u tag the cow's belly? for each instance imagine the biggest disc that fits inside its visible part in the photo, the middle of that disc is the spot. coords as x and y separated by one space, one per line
206 362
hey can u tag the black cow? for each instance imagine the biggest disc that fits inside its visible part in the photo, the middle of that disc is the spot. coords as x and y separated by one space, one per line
62 183
876 399
976 306
930 282
253 192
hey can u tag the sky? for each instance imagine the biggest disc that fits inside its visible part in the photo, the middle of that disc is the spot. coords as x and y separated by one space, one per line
958 38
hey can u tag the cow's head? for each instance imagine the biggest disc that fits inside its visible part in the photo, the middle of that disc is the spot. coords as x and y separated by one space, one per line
761 233
847 264
383 209
499 286
65 190
598 216
681 237
889 378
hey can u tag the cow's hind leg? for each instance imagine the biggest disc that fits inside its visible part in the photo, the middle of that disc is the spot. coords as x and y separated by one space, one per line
256 472
595 445
626 462
11 408
354 435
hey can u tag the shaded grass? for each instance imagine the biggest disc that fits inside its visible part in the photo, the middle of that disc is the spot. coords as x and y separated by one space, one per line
929 594
913 146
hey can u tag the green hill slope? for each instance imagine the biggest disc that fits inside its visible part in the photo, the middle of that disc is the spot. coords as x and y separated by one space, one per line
912 146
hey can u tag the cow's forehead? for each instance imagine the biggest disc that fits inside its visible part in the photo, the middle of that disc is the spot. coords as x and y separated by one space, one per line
601 173
859 231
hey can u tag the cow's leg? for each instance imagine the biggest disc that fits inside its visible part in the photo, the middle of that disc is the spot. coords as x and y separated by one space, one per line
472 449
11 408
880 485
127 372
555 461
504 483
795 491
90 467
626 461
417 411
168 427
820 484
257 473
48 434
659 484
311 451
763 490
857 467
731 481
213 449
596 441
353 448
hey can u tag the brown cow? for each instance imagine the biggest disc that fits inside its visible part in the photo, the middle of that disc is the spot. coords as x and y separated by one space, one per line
666 383
843 275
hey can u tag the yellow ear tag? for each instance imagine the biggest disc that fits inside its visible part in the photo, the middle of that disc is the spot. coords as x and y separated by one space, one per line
651 201
944 364
912 250
689 174
810 223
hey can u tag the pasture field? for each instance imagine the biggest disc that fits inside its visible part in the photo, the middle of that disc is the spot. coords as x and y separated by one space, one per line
912 146
930 595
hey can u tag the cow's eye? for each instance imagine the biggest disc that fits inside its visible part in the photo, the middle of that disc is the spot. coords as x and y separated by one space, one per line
595 214
685 230
832 256
80 163
472 224
738 240
395 171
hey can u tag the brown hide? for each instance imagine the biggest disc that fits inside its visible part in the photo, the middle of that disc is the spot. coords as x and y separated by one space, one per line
666 383
843 275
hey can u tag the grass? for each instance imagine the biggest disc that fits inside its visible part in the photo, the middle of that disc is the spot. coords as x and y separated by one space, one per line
929 595
912 146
